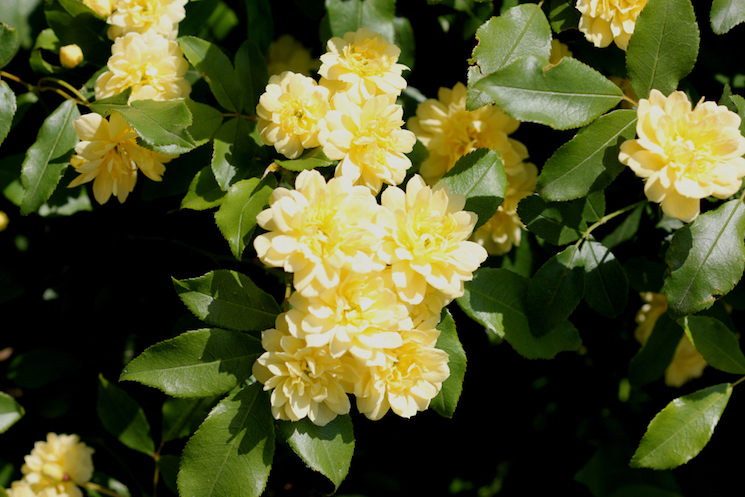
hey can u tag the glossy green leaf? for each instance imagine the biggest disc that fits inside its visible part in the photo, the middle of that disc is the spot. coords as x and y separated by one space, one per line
204 192
706 259
726 14
716 343
496 298
664 47
653 358
480 177
9 43
250 69
123 417
10 412
231 452
606 285
350 15
555 290
589 161
327 449
233 152
204 123
181 417
558 223
310 159
212 62
197 363
228 299
567 95
236 217
8 108
447 399
24 102
682 429
48 157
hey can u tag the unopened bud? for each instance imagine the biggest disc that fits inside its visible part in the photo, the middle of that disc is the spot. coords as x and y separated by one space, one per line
70 56
3 221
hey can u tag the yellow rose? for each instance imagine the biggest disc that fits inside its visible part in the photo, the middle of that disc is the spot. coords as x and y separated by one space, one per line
606 21
139 16
70 56
61 463
103 8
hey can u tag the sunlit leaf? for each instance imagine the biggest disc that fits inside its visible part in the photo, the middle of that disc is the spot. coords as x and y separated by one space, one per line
10 412
726 14
9 42
447 399
212 62
716 343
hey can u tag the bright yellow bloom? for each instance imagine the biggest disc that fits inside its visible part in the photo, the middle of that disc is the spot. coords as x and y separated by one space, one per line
428 243
153 66
685 155
362 64
606 21
305 381
139 16
61 463
287 54
103 8
318 229
558 51
368 140
687 363
289 111
109 156
449 132
70 56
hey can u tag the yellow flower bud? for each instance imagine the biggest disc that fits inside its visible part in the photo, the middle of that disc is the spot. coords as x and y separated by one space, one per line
70 56
3 220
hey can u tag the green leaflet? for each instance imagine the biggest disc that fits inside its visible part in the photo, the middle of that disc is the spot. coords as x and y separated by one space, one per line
558 223
10 412
181 417
563 15
447 399
8 107
73 22
682 429
233 152
123 417
310 159
250 69
204 192
606 285
205 121
651 361
210 61
9 42
350 15
726 14
716 343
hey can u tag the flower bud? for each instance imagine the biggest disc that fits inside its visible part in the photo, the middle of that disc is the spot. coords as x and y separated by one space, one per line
3 220
70 56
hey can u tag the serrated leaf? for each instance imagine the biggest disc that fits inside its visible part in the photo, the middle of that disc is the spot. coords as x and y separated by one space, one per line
496 298
350 15
480 177
10 412
682 429
9 42
123 417
706 259
558 223
567 95
250 69
447 399
197 363
589 161
233 152
231 452
8 109
606 285
204 192
716 343
48 157
212 62
651 361
228 299
310 159
726 14
327 449
664 47
181 417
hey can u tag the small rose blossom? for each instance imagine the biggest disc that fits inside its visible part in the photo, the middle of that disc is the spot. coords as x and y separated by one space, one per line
62 462
70 56
606 21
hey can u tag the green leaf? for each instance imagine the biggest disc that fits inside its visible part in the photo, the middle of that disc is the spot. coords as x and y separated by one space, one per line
626 230
664 47
563 15
197 363
74 22
567 95
233 153
740 109
8 108
181 417
250 69
123 417
228 299
651 361
716 343
326 449
447 399
496 298
204 192
706 259
682 429
9 42
606 285
558 223
236 217
231 452
210 61
48 157
205 121
555 290
521 30
589 161
726 14
350 15
10 412
480 177
260 25
310 159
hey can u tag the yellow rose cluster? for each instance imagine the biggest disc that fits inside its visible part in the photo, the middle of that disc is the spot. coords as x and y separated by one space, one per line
56 467
606 21
685 154
351 112
450 131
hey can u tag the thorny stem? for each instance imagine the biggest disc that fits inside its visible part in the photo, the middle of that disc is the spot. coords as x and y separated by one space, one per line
606 218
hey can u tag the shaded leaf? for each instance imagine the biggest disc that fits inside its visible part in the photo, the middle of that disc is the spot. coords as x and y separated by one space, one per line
558 223
250 69
9 43
40 367
726 14
233 152
74 22
606 285
205 121
204 192
210 61
447 399
181 417
563 15
716 343
123 417
651 361
626 230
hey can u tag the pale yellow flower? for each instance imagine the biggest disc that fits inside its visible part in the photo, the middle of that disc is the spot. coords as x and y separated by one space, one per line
559 50
289 111
153 66
368 140
318 229
449 132
287 54
685 155
70 56
103 8
139 16
22 488
305 381
362 64
108 155
62 462
606 21
687 363
428 245
411 378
